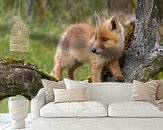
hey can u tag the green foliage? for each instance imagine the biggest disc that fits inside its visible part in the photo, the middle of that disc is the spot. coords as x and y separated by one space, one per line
4 106
159 76
45 30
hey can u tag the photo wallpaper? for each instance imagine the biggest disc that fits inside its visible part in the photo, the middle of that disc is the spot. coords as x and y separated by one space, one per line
95 40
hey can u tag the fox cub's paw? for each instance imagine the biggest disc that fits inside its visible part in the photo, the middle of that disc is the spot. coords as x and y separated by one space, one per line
119 78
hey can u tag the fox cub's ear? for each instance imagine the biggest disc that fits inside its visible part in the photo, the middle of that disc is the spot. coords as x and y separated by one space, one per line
114 24
98 19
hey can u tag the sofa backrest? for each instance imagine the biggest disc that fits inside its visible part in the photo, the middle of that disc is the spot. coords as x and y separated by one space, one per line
108 92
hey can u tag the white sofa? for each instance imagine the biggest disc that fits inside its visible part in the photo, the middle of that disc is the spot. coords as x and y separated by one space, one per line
121 113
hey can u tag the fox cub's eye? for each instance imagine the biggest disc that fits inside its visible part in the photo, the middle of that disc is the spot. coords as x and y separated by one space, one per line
104 39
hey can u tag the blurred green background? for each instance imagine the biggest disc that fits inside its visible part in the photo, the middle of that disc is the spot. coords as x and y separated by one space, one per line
46 20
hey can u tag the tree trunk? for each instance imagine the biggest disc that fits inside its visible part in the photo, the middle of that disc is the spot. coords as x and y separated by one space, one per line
144 56
19 77
28 6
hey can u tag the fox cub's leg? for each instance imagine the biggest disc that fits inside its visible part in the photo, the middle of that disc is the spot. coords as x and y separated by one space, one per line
95 72
71 68
58 68
116 70
57 71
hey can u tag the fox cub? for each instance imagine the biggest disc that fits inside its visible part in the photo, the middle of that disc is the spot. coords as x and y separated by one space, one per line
99 46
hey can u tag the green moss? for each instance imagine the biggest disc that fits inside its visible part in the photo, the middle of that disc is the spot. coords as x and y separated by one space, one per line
45 75
10 61
13 61
152 72
148 74
21 62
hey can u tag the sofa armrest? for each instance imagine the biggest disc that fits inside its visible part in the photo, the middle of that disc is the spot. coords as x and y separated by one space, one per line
36 103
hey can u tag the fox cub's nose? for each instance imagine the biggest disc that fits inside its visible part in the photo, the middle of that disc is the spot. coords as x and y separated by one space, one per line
94 50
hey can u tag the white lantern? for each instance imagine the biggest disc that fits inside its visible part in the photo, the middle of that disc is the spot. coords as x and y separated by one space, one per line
19 37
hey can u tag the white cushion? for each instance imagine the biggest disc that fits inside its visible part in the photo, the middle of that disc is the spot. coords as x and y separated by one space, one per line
70 95
133 109
71 84
74 109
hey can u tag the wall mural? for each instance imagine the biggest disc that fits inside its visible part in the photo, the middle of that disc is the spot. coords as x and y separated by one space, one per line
97 42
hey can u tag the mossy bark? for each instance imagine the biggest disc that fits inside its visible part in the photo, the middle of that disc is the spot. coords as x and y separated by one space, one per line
20 77
143 56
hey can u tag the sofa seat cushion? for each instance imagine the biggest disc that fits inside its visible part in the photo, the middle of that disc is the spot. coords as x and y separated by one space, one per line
133 109
74 109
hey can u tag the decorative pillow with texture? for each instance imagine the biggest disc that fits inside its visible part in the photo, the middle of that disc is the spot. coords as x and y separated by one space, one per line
144 91
70 95
49 86
159 92
71 84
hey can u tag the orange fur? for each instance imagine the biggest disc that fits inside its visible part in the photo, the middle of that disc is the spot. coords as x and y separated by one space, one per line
76 46
102 32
